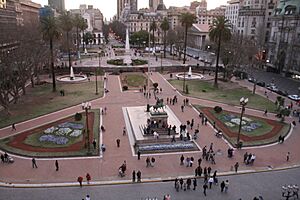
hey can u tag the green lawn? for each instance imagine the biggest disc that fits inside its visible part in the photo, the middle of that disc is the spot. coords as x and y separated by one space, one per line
230 94
41 100
133 80
33 141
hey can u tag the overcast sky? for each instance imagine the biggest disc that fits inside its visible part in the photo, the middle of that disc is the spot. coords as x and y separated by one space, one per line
109 7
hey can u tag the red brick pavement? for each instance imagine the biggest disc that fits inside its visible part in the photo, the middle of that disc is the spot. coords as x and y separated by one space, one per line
166 165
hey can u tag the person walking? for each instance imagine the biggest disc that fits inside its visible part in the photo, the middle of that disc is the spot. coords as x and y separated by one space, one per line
181 159
182 108
87 197
118 142
181 182
56 165
80 179
133 176
288 156
236 166
13 127
88 178
139 155
194 183
124 131
204 189
188 183
222 185
226 185
210 182
139 176
34 163
94 143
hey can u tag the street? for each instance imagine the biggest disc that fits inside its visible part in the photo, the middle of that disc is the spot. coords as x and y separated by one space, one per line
246 187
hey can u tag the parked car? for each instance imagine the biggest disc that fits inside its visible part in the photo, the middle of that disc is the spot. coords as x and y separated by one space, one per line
252 80
272 88
261 83
283 93
294 97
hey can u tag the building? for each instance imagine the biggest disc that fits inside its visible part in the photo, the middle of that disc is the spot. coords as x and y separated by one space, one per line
155 5
2 3
194 5
205 16
58 5
232 13
174 14
284 41
94 20
13 14
133 4
198 36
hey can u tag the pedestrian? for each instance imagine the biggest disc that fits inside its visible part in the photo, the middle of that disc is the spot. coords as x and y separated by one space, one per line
105 110
87 197
94 143
148 162
118 142
88 178
2 158
6 157
181 159
210 182
222 186
204 189
236 166
80 179
34 163
181 183
208 171
199 161
139 154
139 176
188 183
226 185
288 156
215 177
194 183
133 176
182 108
56 165
266 112
152 161
124 131
13 127
245 157
200 171
211 147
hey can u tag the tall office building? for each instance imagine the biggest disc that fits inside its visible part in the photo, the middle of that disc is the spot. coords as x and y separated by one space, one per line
121 5
58 5
153 4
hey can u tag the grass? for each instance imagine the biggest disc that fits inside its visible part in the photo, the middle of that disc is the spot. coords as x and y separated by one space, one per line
133 80
41 100
229 94
33 141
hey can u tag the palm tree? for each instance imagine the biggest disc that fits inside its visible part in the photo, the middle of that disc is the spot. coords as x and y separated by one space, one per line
187 20
165 27
153 28
66 23
219 31
50 31
76 21
82 26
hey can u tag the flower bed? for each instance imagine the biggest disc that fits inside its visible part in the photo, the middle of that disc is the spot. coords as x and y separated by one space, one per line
167 147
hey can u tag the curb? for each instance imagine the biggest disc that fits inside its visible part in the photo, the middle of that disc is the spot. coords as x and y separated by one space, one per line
128 181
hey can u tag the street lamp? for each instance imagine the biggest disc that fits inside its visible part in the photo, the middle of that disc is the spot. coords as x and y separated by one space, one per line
243 103
86 106
161 57
96 72
183 86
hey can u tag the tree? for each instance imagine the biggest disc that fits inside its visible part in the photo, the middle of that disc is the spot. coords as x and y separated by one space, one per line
106 32
187 20
77 20
153 28
165 27
88 38
140 37
50 31
66 24
179 40
82 26
219 31
171 39
119 29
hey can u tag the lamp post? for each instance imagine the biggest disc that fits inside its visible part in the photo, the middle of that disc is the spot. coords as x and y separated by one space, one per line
86 106
243 103
161 57
184 75
96 72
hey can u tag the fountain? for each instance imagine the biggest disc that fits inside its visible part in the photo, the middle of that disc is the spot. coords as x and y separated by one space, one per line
72 78
127 58
189 75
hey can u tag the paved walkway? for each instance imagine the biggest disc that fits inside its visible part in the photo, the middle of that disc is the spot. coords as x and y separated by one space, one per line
105 168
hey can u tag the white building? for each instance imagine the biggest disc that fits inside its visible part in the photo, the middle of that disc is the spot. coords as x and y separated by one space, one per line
232 13
94 20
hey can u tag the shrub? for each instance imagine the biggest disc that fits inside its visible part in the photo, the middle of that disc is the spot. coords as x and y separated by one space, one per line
187 89
115 62
78 116
125 87
203 90
218 109
139 62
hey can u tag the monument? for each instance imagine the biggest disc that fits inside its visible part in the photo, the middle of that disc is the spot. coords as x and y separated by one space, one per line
127 57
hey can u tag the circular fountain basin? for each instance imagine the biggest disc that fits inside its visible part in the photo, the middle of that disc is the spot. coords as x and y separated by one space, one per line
194 76
76 79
